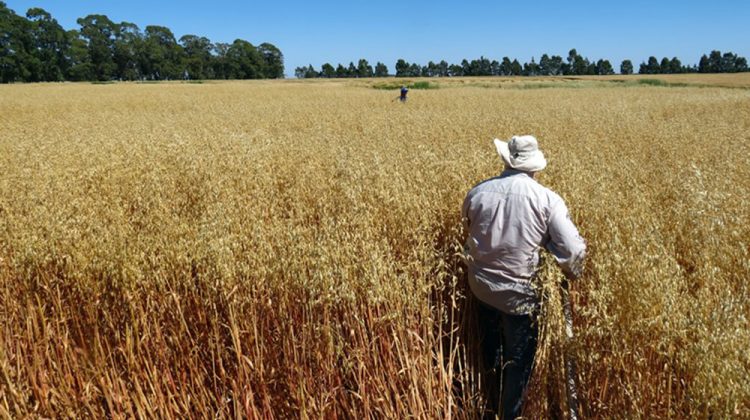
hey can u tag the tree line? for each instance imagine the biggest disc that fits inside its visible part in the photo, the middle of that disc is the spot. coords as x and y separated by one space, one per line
554 65
35 48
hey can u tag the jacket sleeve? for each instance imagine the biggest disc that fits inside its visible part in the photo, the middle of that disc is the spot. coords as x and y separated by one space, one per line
565 243
465 212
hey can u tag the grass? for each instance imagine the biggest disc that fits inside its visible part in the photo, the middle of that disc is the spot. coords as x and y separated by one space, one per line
278 249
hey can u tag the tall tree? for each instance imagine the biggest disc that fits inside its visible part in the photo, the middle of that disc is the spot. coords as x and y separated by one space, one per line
544 65
665 66
273 61
402 68
364 69
381 70
341 71
466 69
714 62
531 69
703 65
455 70
741 64
515 68
506 67
652 67
604 67
16 43
443 68
81 67
220 61
51 45
626 67
244 60
727 63
99 33
127 47
580 65
164 54
555 65
197 53
675 65
327 70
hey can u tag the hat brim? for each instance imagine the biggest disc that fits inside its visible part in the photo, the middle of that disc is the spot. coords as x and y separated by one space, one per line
534 162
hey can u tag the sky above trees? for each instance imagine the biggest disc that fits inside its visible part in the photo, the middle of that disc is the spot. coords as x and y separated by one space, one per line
421 31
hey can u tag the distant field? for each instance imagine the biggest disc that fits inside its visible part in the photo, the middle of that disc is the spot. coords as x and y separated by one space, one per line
291 248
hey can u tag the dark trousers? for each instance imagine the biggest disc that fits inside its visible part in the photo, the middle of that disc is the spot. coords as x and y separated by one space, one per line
508 341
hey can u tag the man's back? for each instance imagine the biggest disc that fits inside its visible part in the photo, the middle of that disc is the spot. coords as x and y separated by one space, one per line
508 219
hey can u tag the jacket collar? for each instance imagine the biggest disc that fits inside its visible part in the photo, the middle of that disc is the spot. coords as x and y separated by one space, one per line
511 172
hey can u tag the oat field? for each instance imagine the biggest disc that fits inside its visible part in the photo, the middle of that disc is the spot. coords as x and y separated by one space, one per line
291 249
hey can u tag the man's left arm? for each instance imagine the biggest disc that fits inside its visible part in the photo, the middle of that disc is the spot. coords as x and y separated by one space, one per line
565 243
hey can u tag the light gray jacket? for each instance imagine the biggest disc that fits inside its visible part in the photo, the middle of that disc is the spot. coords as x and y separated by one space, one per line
508 219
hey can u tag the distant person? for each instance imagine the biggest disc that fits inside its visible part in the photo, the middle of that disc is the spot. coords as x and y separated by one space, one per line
404 91
508 219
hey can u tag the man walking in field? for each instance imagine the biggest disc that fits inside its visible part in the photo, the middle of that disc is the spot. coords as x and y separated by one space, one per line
508 219
404 91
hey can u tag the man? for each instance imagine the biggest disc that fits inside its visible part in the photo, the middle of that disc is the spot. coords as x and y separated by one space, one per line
508 219
404 91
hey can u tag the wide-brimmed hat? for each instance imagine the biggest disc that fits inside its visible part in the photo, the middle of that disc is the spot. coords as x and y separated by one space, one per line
521 153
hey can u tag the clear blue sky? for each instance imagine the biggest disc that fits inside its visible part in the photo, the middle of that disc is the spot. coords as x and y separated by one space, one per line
315 32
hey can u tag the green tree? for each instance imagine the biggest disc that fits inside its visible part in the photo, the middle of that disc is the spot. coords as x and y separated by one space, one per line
531 69
341 71
328 71
127 46
220 61
430 70
652 67
443 68
99 33
714 62
197 53
703 65
381 70
466 69
665 66
741 64
310 73
414 70
163 53
544 65
675 66
569 67
727 62
555 65
364 69
506 67
81 67
580 65
351 71
626 67
16 44
515 68
244 61
604 67
402 68
495 68
273 61
51 45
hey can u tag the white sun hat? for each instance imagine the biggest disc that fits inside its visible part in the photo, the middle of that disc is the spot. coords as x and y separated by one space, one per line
521 153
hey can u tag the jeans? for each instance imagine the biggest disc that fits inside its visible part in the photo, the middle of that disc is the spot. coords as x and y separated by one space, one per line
509 341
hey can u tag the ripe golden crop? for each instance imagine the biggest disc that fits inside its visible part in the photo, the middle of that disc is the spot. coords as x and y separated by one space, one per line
288 248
